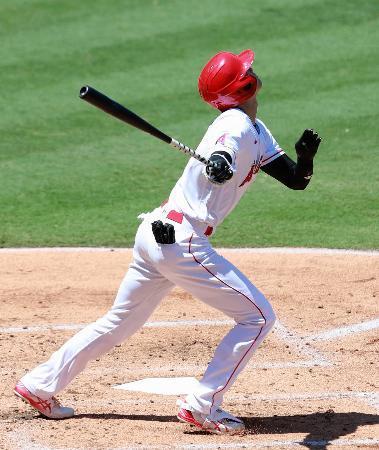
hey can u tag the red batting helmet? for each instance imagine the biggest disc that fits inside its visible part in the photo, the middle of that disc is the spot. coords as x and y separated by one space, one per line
224 81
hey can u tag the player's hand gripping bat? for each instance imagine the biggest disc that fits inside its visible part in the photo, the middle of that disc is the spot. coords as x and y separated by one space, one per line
113 108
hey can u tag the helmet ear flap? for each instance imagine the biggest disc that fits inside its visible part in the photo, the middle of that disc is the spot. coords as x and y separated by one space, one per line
247 89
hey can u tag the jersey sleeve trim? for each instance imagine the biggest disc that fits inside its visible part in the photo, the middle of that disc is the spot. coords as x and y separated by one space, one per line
272 157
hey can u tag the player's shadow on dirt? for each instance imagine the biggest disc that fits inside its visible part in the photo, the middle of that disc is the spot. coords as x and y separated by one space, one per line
321 427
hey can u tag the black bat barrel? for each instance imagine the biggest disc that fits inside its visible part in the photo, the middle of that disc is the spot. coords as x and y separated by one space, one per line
101 101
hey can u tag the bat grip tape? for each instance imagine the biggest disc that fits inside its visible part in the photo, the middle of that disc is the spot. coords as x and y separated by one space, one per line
182 147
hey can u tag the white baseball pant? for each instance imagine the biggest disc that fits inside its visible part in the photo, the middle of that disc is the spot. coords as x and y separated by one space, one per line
192 264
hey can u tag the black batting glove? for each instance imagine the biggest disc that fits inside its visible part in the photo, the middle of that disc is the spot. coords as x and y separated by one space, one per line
306 147
164 233
219 171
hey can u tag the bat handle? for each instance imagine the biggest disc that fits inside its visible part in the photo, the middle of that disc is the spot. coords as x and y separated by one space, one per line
182 147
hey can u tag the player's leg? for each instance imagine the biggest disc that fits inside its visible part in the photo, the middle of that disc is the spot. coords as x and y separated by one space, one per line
217 282
135 301
140 292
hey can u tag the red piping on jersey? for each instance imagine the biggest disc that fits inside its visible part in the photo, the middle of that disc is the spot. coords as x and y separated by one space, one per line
270 157
208 231
251 301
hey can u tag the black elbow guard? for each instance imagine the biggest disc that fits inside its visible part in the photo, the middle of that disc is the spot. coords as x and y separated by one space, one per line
219 170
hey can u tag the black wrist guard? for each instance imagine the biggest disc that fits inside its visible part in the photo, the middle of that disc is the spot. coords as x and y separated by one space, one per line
163 233
304 168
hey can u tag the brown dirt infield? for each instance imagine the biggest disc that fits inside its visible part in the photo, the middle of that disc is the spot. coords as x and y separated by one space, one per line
296 392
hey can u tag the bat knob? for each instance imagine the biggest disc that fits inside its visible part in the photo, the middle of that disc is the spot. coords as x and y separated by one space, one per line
83 91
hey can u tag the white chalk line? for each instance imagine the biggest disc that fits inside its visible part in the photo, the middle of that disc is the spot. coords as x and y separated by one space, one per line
301 344
302 250
269 250
41 328
282 333
336 333
198 369
155 324
312 356
303 348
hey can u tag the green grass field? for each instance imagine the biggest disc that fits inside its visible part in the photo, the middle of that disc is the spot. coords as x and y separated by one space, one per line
70 175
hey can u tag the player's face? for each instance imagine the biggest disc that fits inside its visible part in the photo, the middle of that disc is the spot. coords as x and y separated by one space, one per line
253 100
259 81
251 105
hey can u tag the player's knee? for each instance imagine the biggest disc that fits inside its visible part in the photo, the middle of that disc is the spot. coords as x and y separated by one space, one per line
267 313
261 315
265 319
270 315
115 317
270 318
265 310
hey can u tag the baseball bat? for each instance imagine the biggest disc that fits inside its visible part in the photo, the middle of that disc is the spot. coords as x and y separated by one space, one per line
101 101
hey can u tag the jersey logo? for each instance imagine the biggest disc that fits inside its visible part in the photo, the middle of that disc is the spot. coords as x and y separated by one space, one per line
253 170
221 139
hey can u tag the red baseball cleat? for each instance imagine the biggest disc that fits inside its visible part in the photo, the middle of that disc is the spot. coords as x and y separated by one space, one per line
221 422
50 408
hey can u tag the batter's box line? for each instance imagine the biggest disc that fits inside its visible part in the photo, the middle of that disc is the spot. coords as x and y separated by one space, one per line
303 348
303 343
289 337
300 343
80 326
340 332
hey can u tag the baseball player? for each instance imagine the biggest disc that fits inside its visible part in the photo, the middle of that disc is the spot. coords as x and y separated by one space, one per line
172 248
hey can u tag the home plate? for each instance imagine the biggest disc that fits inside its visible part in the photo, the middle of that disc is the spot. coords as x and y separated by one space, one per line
164 386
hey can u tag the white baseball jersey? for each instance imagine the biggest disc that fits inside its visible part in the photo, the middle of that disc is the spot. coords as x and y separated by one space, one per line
251 146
